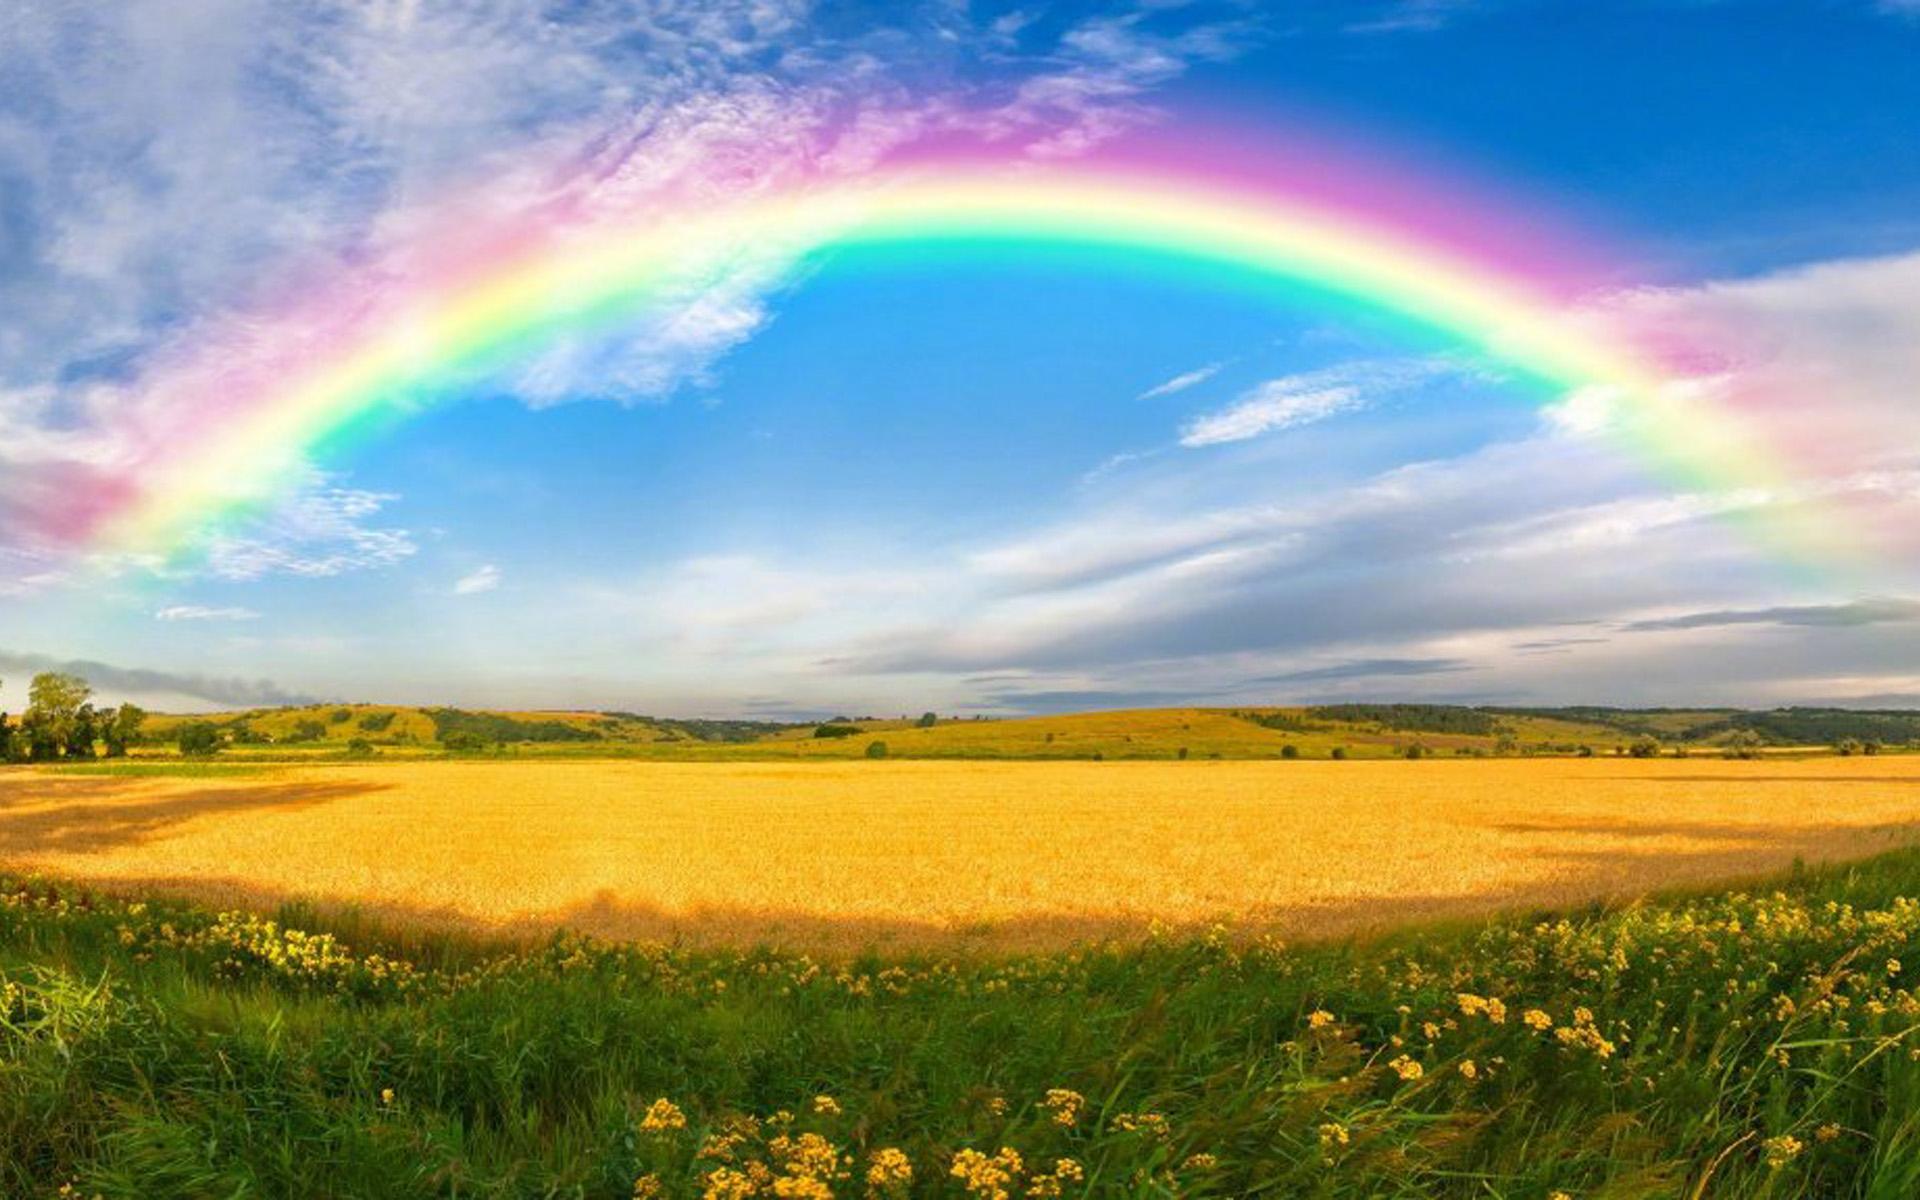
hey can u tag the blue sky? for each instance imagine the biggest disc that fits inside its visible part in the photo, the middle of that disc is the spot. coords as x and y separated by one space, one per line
993 481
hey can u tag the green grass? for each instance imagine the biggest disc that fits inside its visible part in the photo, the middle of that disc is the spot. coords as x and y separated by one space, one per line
159 1051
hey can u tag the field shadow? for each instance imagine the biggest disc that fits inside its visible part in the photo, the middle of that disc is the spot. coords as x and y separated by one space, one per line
1566 880
45 814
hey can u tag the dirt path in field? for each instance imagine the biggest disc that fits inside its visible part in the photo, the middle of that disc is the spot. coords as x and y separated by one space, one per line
1001 855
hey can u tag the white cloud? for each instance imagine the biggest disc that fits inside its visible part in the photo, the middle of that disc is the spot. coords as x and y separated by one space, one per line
196 612
482 579
1275 405
317 533
1180 383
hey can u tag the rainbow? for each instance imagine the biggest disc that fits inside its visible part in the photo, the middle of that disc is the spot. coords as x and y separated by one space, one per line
235 419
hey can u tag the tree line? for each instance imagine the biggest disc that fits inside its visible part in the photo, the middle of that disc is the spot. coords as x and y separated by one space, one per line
61 722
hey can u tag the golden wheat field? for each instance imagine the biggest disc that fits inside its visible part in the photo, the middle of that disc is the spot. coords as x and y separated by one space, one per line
991 854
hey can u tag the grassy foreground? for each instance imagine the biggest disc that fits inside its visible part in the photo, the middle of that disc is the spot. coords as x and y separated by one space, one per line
1747 1044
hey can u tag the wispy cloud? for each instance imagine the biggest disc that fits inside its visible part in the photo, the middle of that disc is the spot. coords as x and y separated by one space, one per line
1890 611
320 532
1369 668
1276 405
1181 382
196 612
481 579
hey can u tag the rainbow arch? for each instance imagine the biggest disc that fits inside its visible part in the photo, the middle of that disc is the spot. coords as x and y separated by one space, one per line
466 312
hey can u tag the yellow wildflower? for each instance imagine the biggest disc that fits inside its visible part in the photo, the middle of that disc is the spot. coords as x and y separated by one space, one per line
1065 1105
1333 1133
648 1187
826 1106
987 1176
1319 1018
386 1096
1200 1162
725 1183
1781 1150
1468 1070
1827 1133
1406 1068
1537 1020
663 1116
889 1173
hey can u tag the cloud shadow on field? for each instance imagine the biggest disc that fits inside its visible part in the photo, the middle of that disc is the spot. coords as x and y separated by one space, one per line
1567 880
51 814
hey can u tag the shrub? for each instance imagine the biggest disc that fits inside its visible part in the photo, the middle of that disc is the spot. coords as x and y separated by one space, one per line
340 716
1416 750
1339 752
198 739
462 741
1289 751
1183 752
927 720
1645 747
307 730
360 748
835 729
377 722
876 749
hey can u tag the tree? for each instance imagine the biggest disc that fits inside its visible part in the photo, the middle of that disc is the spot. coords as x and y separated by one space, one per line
1339 752
122 728
1415 750
1847 747
198 739
876 749
1645 747
1741 743
6 740
359 748
927 720
81 734
52 719
1289 751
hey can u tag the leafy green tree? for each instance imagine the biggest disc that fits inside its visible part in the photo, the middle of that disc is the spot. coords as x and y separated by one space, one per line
82 734
360 748
1645 747
1847 747
122 728
876 749
1741 743
839 727
927 720
1339 752
198 739
54 703
53 716
1289 751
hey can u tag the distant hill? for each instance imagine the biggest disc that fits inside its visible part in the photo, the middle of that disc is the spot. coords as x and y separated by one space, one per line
1322 731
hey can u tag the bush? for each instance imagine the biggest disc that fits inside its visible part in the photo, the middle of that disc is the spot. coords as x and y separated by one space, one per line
1289 751
462 741
340 716
360 748
1182 754
198 739
1645 748
835 729
927 720
1415 751
1339 752
377 722
876 749
307 730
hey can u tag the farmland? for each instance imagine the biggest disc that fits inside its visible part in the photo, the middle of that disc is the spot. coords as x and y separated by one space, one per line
976 855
